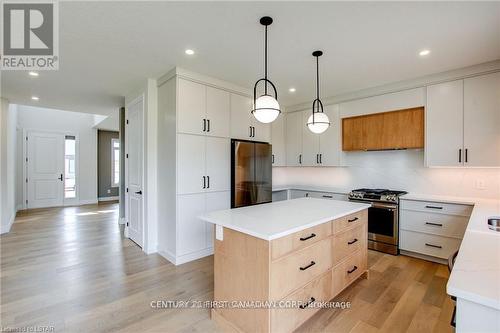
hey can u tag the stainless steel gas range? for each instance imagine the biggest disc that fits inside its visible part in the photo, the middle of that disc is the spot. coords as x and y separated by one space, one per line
383 217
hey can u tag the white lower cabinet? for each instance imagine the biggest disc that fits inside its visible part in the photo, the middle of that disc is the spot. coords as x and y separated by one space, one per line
215 201
431 228
294 194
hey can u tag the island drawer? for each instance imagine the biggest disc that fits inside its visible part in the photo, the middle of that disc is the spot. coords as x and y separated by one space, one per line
350 221
299 240
289 318
348 270
431 245
433 223
436 207
349 241
294 271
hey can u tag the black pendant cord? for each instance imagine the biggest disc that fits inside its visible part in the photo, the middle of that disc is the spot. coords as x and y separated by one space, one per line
265 62
317 78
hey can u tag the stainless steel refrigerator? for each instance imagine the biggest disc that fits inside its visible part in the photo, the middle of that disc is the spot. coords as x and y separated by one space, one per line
251 173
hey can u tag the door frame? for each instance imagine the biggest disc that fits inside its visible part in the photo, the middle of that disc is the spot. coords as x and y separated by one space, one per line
66 202
140 98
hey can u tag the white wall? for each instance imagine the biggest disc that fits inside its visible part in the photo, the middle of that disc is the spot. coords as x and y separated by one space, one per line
8 119
75 123
398 170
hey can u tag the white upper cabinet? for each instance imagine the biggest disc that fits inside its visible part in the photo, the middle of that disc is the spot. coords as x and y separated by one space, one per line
294 138
330 140
463 121
243 123
218 164
191 116
444 124
310 142
202 109
191 173
482 120
278 141
218 112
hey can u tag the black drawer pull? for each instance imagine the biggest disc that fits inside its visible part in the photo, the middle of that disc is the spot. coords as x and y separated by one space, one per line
308 237
352 220
352 270
328 196
434 224
352 242
306 267
432 245
434 207
303 306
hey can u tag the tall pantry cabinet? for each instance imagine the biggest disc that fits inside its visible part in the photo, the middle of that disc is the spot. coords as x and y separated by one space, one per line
194 162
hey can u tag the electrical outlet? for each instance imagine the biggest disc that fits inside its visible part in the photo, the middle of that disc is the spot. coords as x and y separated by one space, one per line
109 191
479 184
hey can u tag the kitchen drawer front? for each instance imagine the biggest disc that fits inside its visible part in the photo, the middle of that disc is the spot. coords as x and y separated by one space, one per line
294 271
349 270
288 319
299 240
348 242
431 245
328 195
436 207
350 221
432 223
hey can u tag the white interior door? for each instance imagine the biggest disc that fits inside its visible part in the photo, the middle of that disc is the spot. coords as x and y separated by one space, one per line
45 169
134 158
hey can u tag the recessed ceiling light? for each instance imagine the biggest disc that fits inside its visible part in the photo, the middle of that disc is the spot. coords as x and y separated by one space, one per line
423 53
35 98
33 74
292 90
189 52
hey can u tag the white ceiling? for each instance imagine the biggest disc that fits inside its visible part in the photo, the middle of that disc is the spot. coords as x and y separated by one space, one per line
107 49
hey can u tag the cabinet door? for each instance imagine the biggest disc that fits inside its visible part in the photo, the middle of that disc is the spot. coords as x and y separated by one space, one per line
218 112
262 132
190 163
191 107
241 117
215 201
278 141
482 120
295 194
310 142
192 232
330 149
218 164
444 123
293 138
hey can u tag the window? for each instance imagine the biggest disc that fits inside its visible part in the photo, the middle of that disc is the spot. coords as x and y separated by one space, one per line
115 162
69 167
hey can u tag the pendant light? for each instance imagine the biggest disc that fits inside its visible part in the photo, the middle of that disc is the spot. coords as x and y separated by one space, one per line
266 107
318 122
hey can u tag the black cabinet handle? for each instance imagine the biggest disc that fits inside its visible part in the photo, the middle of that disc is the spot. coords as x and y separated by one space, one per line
317 158
328 196
352 270
138 192
460 156
204 182
253 132
466 157
432 245
204 125
320 158
208 125
250 129
61 177
208 181
272 158
300 158
303 306
308 266
308 237
434 224
352 220
352 242
434 207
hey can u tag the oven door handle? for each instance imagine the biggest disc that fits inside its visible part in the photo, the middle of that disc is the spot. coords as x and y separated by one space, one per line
379 205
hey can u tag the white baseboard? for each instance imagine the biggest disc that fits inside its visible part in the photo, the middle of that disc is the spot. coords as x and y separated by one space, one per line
179 260
109 198
6 229
19 207
87 202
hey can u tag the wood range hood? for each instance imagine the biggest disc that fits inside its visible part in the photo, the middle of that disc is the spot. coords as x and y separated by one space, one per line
392 130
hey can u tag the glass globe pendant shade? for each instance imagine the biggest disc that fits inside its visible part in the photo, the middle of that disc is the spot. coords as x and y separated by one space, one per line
267 109
320 123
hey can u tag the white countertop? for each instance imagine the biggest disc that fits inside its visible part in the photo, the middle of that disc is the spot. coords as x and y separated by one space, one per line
277 219
311 188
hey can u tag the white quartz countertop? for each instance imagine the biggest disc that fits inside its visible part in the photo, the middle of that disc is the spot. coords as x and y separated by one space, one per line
277 219
311 188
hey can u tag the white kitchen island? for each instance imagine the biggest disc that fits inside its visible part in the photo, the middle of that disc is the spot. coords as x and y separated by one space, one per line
276 264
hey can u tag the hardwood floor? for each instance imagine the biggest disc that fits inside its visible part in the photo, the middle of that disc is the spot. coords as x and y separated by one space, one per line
71 269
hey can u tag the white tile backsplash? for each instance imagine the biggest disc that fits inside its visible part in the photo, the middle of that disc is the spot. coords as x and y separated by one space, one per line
397 170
